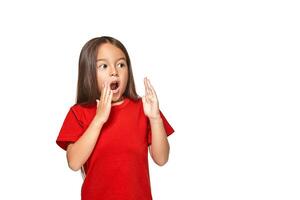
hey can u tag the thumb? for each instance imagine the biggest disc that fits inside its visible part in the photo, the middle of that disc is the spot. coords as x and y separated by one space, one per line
144 99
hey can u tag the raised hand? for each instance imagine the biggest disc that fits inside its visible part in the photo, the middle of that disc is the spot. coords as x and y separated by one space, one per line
104 105
150 101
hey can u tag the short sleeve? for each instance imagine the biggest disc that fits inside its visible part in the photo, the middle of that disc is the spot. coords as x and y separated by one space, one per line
71 129
168 128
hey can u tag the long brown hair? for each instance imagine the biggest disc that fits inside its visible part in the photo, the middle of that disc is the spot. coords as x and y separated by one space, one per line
87 87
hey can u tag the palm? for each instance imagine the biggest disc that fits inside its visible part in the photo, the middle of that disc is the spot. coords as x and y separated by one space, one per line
150 101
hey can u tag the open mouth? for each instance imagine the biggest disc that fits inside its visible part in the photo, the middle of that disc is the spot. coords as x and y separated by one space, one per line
114 85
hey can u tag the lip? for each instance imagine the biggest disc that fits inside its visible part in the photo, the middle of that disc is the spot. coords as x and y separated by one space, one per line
115 81
116 91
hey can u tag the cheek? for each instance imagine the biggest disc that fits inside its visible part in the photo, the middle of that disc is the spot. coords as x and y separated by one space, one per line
125 84
100 80
125 80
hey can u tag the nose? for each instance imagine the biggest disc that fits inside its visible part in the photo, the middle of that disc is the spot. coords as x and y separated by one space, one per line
113 72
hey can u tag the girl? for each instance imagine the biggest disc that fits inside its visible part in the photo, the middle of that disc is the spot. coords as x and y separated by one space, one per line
108 138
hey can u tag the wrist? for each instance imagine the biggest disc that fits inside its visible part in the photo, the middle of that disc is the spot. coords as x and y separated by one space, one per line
99 120
155 119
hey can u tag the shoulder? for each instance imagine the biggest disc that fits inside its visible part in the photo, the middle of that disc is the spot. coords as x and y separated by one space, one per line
83 106
135 108
83 111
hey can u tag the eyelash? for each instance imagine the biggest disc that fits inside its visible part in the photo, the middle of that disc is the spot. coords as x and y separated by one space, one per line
103 65
122 65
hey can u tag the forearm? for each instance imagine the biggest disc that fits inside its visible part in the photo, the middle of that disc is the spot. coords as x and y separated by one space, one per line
159 142
79 152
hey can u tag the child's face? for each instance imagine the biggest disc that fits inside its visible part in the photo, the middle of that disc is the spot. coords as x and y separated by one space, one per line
112 69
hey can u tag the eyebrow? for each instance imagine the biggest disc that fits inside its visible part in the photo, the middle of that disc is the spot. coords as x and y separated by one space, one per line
103 59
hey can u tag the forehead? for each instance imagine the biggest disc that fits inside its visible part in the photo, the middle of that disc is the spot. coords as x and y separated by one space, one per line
109 51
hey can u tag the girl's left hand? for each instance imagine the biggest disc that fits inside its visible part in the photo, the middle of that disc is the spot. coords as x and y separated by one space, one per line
150 101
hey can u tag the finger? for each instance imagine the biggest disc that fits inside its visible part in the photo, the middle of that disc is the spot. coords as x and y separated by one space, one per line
150 95
145 99
152 89
148 100
146 86
149 87
103 92
110 97
108 91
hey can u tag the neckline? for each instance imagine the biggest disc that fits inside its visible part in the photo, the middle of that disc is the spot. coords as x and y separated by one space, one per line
121 105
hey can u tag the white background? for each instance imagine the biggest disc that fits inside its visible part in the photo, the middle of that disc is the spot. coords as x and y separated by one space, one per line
226 74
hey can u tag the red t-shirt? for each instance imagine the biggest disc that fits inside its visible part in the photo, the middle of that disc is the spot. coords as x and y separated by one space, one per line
117 169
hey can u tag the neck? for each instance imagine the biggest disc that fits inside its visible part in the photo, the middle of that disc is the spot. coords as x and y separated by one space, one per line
120 99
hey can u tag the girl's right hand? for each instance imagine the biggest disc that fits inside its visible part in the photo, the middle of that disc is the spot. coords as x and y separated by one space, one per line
104 105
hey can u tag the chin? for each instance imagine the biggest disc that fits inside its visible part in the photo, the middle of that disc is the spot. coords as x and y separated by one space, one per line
116 98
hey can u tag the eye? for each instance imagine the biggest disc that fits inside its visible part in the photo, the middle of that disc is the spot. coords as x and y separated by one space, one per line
103 66
121 65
